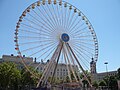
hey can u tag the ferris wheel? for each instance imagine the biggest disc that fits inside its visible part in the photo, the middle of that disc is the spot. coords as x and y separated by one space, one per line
57 31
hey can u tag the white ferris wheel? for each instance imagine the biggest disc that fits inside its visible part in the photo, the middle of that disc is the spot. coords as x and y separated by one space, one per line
57 31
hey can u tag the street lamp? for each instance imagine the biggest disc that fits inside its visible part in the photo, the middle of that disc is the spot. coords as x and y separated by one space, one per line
106 63
106 67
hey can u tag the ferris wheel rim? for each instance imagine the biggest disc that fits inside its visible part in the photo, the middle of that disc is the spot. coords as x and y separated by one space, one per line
83 17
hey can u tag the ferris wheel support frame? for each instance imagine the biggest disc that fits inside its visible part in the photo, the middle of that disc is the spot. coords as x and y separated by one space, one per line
74 65
55 56
79 64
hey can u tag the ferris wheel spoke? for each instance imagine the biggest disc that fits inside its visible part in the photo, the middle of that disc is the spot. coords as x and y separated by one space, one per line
44 15
49 28
82 59
84 36
84 51
31 48
43 24
33 42
79 31
87 49
73 26
87 40
29 37
61 10
68 19
79 44
48 49
29 31
52 19
26 43
65 11
50 53
35 28
82 32
75 31
84 43
84 40
59 14
72 22
51 16
36 33
39 41
55 15
42 49
48 21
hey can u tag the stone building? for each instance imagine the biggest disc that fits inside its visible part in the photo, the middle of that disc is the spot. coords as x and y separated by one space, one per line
99 76
61 70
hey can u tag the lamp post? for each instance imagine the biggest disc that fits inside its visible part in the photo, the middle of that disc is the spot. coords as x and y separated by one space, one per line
106 63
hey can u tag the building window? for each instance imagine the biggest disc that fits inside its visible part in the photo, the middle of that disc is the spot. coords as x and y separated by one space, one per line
61 73
58 73
64 73
41 68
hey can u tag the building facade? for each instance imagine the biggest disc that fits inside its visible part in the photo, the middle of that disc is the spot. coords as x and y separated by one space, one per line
61 70
99 76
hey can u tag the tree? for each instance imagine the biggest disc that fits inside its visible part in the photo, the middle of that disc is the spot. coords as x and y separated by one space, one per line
118 74
85 81
27 78
113 83
95 84
9 76
102 83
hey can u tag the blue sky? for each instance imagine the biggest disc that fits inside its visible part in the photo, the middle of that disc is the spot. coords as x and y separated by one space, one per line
103 14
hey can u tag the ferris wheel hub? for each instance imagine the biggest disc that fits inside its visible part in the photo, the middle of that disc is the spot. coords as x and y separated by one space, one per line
65 37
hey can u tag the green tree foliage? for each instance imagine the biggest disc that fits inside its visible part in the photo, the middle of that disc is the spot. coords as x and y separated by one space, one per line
106 80
118 74
113 83
12 78
85 83
9 76
95 84
102 83
27 78
110 82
